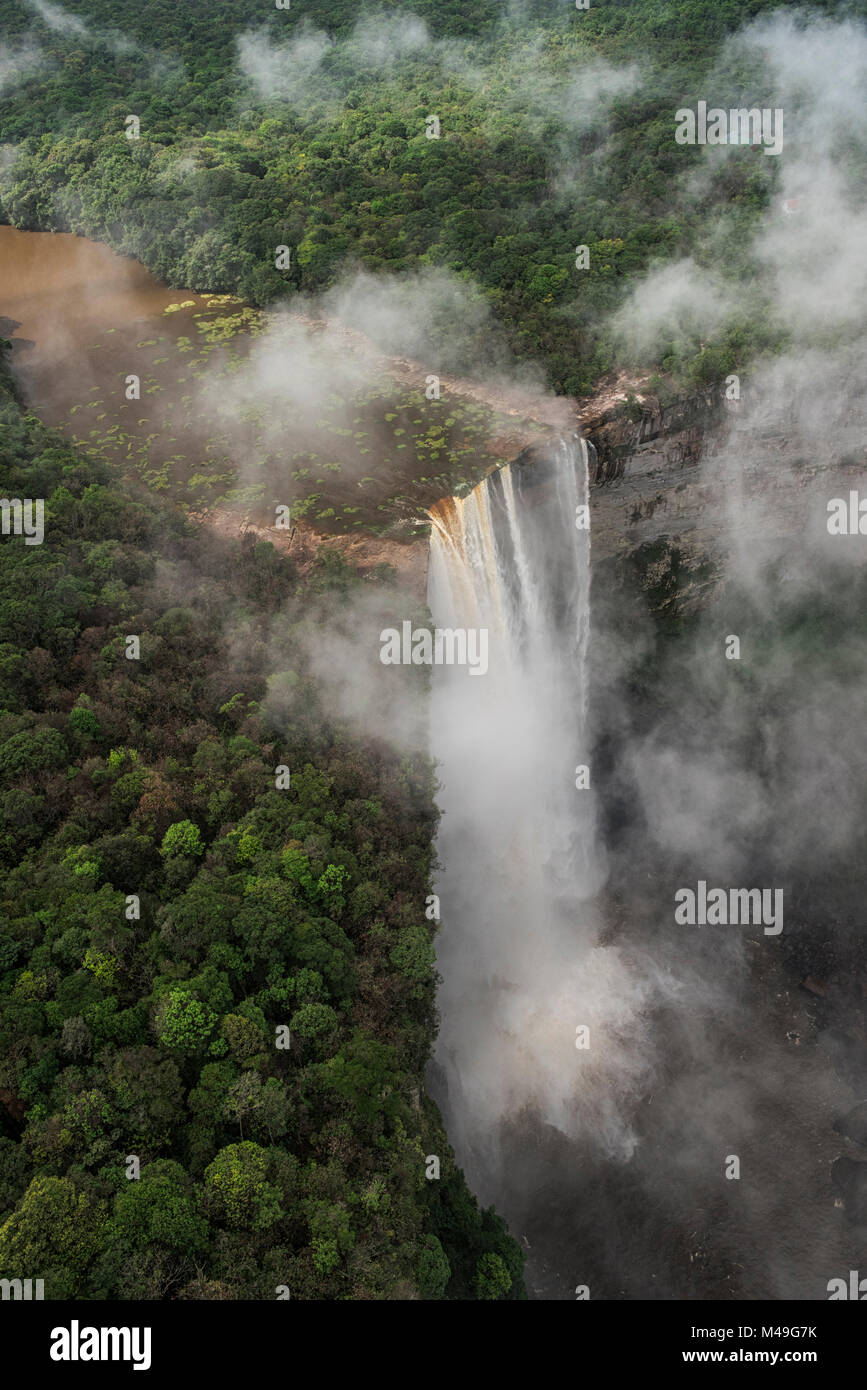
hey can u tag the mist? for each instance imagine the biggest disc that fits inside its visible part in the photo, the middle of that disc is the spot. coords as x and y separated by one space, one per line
735 772
19 62
59 20
310 66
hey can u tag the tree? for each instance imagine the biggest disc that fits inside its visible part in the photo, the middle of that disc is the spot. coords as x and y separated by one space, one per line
147 1091
54 1234
158 1208
182 838
184 1024
492 1279
84 724
414 954
237 1190
244 1038
313 1020
32 750
433 1269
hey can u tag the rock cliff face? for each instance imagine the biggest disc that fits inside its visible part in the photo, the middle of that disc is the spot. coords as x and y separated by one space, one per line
643 438
704 478
680 470
682 494
647 474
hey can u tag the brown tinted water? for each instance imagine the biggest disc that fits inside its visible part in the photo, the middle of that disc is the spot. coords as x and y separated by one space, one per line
83 321
234 407
65 291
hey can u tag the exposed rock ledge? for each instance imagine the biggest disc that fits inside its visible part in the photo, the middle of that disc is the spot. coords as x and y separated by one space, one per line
686 472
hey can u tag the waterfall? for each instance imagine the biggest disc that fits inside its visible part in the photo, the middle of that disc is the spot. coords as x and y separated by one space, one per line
510 557
519 956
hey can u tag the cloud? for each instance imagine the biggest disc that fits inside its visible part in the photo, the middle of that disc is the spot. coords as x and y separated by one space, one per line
809 251
679 300
294 70
19 62
576 100
61 22
290 71
292 374
817 69
415 314
382 41
381 703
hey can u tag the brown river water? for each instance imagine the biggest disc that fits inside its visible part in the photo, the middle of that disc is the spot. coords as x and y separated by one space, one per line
65 292
232 407
82 321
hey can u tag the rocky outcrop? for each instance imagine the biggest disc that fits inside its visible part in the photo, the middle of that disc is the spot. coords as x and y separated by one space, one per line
644 438
854 1125
703 466
676 485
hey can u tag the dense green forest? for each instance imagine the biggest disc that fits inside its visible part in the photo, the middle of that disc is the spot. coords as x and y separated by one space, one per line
307 128
167 909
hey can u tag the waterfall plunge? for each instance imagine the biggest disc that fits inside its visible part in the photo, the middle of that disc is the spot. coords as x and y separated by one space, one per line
518 950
